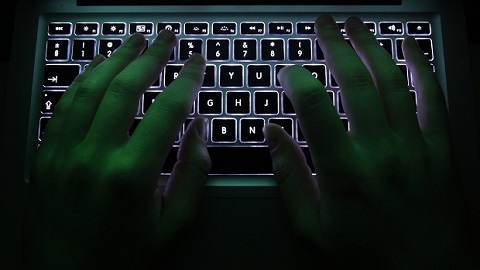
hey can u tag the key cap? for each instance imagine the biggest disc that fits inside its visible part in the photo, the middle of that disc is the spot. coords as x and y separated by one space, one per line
60 75
252 28
58 50
273 49
210 102
245 49
259 76
218 49
238 102
231 75
83 49
251 130
108 46
266 102
86 29
145 28
59 29
50 100
224 130
114 29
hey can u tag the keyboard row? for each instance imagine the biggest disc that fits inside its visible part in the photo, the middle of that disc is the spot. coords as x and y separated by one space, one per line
220 49
384 28
215 103
229 130
224 76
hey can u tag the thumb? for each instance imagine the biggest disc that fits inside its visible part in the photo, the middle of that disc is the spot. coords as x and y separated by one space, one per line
184 189
298 187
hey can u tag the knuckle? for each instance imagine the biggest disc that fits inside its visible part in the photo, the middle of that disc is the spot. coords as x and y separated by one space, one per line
358 77
86 89
122 84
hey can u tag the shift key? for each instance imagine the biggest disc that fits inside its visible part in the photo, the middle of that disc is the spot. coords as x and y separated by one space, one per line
60 75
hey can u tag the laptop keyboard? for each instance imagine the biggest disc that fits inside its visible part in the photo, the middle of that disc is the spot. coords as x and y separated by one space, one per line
240 93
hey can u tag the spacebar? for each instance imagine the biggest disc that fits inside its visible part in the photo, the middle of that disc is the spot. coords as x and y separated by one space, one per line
236 160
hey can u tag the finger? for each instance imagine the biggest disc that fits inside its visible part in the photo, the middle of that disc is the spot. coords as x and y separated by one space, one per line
56 123
120 103
432 109
319 121
297 186
88 95
360 99
185 187
389 80
160 125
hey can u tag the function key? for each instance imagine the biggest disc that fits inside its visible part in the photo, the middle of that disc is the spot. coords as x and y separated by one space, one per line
391 28
114 29
59 29
419 28
224 28
145 28
371 27
252 28
341 25
280 28
175 27
306 28
196 28
86 29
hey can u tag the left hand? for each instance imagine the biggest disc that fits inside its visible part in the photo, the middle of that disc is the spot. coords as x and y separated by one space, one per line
94 195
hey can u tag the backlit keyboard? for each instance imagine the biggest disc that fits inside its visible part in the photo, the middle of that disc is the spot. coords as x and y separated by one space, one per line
240 93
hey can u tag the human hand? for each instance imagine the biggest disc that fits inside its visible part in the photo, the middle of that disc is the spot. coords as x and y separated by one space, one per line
95 200
386 192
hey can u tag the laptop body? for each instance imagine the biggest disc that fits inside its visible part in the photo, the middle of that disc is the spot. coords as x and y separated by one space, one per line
242 221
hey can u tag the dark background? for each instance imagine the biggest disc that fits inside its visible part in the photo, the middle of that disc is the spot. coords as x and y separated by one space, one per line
8 241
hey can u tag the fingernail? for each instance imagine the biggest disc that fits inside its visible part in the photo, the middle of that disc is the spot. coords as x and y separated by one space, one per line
355 23
99 58
165 36
271 137
196 59
201 129
325 21
136 40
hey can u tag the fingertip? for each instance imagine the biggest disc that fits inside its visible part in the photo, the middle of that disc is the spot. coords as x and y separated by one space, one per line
196 59
324 20
270 131
166 36
97 60
200 126
286 74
